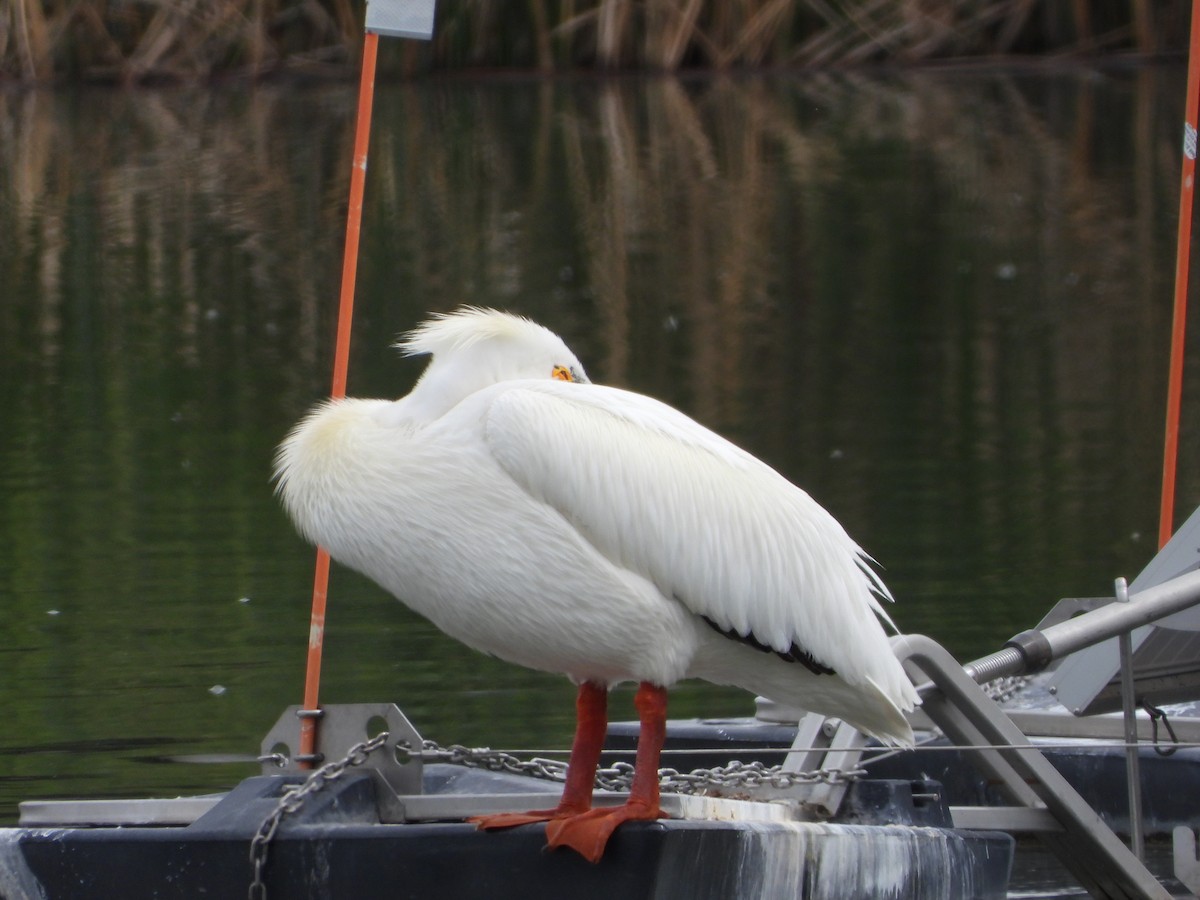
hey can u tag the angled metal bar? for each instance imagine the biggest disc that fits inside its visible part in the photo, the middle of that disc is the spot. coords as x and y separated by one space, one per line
1086 846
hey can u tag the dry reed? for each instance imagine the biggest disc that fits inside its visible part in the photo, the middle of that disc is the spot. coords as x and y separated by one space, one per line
140 40
695 203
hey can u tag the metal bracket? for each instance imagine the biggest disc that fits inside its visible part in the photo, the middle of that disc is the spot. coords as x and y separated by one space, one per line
342 726
824 743
813 733
1187 866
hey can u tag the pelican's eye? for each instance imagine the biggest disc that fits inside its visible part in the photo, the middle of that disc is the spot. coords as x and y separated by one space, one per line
562 373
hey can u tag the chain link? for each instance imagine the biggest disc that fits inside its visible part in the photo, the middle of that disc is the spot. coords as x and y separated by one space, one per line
619 777
293 798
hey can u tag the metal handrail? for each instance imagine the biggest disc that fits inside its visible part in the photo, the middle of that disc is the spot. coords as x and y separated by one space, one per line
1085 845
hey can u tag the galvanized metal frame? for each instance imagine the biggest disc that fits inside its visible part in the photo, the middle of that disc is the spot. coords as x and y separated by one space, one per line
1083 842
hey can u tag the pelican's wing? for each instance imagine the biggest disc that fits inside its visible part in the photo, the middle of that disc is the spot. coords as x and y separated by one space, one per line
710 525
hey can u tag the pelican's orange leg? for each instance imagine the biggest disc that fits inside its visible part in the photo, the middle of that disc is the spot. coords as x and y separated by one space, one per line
588 832
591 722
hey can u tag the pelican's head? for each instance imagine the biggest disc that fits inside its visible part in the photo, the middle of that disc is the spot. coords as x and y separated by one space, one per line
473 348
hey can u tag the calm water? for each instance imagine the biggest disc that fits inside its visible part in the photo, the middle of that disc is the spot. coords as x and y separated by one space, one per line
940 302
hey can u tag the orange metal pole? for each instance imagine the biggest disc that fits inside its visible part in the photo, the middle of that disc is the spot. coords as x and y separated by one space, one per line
1166 522
341 364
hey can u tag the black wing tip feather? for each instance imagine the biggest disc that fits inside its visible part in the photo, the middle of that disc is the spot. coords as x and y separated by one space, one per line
794 653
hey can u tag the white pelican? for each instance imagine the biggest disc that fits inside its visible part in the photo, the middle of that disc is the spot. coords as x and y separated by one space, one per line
588 530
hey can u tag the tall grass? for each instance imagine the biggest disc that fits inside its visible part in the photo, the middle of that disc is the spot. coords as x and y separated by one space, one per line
136 40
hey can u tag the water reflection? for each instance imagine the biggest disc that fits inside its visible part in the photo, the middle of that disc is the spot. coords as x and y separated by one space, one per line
939 301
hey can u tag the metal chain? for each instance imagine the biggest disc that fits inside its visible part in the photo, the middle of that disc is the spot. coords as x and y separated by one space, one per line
619 777
293 798
749 775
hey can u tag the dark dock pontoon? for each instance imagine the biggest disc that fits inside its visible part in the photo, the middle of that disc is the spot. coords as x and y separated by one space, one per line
786 804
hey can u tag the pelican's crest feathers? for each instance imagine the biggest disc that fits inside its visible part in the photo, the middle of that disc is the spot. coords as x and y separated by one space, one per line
464 327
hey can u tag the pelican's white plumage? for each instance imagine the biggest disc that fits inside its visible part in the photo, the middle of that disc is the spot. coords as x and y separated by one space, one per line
589 530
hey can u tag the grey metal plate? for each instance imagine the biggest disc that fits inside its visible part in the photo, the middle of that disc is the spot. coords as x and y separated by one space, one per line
1166 655
401 18
142 812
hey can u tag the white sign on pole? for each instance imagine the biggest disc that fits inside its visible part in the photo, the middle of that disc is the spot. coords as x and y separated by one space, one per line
401 18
